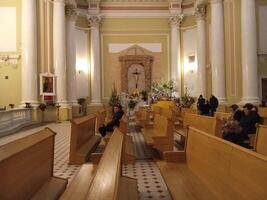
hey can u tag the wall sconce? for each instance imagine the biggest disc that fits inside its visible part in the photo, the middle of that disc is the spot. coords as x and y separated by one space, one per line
81 65
9 60
190 64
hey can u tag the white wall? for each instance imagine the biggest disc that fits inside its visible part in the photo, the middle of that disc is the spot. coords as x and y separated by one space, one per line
8 29
82 63
262 28
190 70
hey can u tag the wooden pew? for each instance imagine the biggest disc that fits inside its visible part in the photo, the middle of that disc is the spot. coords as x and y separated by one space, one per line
212 168
260 144
100 118
184 111
142 117
83 139
201 122
128 146
160 135
105 180
26 168
263 114
222 115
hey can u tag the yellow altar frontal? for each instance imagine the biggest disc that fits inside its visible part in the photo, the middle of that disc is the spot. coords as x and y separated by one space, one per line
163 104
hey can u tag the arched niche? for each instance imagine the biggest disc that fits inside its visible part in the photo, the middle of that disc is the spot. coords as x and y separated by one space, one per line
135 56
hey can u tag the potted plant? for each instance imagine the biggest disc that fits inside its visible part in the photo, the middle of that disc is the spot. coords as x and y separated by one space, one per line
82 103
186 101
11 105
114 98
28 105
42 107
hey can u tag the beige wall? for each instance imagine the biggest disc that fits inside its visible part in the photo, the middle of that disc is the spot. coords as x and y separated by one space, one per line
10 88
134 31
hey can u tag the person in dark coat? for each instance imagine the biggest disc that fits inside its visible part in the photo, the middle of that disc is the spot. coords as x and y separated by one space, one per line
206 108
200 104
214 103
109 127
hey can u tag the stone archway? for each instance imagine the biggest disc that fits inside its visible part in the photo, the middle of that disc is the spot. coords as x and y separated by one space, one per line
138 58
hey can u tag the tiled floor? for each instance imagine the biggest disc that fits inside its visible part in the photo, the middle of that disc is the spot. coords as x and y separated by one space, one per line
150 183
149 180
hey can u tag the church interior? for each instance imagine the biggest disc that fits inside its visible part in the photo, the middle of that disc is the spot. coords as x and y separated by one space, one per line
133 99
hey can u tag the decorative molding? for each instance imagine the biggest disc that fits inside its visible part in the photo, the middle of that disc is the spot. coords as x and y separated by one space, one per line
176 20
200 11
9 60
71 12
94 21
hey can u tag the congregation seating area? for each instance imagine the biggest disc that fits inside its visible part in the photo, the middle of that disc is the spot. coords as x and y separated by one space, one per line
207 168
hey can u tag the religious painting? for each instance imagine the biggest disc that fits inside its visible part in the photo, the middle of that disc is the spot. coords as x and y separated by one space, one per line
47 84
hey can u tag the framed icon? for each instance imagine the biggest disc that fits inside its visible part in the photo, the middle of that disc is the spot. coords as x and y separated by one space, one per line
47 84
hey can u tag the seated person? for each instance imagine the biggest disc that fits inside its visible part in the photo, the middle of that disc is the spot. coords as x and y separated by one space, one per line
232 129
118 113
243 123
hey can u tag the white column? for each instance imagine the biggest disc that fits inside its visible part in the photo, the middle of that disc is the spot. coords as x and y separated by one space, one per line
217 49
71 53
249 52
175 75
59 48
95 22
29 52
200 14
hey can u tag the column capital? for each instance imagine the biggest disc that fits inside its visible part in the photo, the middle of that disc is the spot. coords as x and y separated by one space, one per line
200 11
94 21
71 12
216 1
176 20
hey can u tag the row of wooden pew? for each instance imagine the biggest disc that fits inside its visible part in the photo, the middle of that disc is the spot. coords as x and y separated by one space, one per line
104 181
212 168
26 165
158 135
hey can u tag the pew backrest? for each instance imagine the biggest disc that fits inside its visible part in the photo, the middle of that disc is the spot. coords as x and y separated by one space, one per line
168 113
105 184
222 115
230 171
203 123
261 140
82 129
188 110
100 118
160 123
26 164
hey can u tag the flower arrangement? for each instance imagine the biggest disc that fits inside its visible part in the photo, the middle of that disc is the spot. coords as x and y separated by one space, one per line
185 101
162 90
42 107
114 98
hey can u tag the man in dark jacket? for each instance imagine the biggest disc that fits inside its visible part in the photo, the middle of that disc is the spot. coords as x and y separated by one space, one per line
118 113
214 103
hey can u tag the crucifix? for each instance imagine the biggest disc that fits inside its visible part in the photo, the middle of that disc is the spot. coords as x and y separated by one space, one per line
136 75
